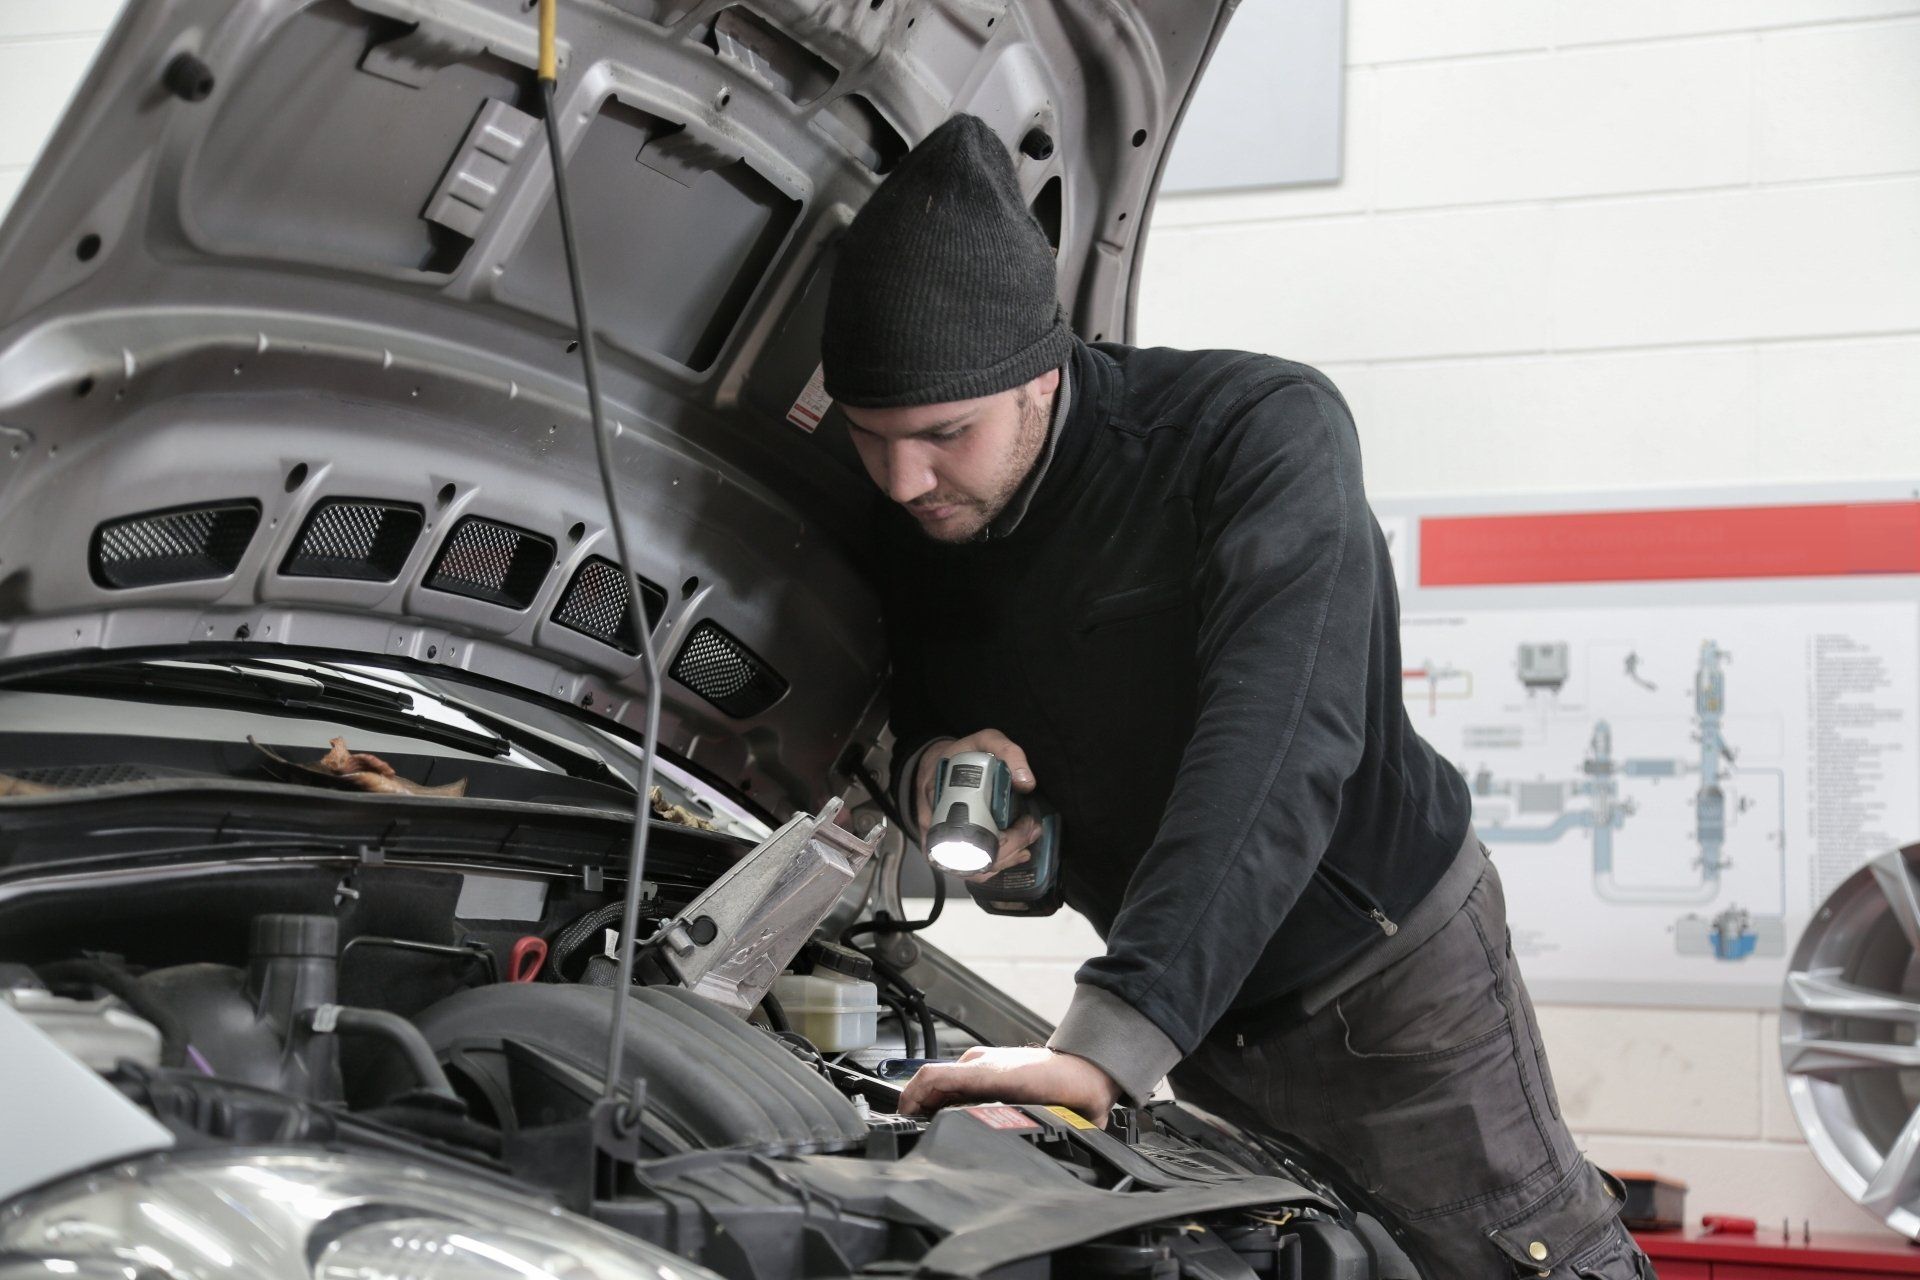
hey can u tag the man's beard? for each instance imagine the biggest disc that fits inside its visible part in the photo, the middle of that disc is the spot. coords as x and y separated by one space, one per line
972 515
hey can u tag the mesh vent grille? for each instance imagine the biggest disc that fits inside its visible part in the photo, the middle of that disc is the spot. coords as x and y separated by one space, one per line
355 538
495 562
726 673
183 544
597 603
88 775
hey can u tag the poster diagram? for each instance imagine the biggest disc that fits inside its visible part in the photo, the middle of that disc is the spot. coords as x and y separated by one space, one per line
1670 779
1662 788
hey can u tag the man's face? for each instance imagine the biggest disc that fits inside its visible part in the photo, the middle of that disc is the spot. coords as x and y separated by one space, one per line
956 466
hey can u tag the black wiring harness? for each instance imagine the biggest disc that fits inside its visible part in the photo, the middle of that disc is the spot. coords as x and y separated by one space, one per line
882 922
549 75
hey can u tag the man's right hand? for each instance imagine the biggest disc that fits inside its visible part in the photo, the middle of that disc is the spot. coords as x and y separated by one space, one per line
1014 841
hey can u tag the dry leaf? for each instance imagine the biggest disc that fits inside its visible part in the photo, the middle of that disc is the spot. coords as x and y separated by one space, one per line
355 770
680 813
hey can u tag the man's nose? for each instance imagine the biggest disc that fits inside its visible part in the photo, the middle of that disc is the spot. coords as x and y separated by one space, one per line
908 475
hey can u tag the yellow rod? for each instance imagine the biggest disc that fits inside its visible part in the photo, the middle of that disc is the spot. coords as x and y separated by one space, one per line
549 53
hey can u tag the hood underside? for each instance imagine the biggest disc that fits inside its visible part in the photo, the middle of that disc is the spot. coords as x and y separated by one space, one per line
287 355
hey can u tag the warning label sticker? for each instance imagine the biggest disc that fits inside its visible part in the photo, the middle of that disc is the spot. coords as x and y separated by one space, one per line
1004 1117
812 403
1073 1117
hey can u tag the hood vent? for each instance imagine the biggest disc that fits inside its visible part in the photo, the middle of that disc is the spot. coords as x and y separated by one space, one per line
358 538
597 603
179 544
498 563
726 673
62 776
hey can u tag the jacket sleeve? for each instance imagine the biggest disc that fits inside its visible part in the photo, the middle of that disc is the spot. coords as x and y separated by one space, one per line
1286 586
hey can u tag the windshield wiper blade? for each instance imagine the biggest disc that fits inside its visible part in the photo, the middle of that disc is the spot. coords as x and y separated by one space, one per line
575 762
242 688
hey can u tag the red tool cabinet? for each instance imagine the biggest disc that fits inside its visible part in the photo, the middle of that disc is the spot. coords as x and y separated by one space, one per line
1830 1255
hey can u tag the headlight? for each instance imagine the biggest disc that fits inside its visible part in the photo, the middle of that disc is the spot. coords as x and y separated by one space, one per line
319 1216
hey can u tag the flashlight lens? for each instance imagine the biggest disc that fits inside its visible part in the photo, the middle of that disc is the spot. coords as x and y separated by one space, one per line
961 857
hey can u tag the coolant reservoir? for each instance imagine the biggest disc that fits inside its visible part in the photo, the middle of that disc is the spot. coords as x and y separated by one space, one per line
835 1011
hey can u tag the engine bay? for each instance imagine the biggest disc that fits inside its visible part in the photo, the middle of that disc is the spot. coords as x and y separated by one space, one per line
401 996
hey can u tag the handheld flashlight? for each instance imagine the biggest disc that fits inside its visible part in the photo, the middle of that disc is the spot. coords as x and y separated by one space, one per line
974 801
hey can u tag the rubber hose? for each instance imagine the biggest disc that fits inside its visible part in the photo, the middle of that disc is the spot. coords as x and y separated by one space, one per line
392 1028
776 1013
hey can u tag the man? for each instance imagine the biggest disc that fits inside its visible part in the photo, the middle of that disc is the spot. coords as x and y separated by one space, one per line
1149 581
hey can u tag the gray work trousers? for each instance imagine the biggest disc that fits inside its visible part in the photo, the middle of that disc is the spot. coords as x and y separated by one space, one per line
1427 1084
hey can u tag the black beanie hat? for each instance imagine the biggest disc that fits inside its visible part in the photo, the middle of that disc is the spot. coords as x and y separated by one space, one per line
944 288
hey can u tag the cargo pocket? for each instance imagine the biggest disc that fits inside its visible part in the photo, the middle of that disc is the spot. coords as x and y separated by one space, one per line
1444 997
1615 1257
1426 1085
1573 1230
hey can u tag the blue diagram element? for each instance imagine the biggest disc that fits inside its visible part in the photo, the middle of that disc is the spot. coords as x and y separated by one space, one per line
1733 934
1733 940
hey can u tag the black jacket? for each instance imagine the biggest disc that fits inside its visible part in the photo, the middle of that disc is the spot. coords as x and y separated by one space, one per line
1194 635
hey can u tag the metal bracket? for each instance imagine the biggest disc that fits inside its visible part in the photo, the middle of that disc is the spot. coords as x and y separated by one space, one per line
616 1125
733 940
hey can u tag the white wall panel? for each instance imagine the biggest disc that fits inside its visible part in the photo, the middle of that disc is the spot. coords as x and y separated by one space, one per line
1354 289
1771 262
1401 30
1776 1113
1839 410
1659 1072
1569 422
36 79
1391 31
1823 100
1585 22
22 18
1597 121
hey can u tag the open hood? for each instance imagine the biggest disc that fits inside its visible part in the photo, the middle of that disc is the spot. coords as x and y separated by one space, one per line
287 356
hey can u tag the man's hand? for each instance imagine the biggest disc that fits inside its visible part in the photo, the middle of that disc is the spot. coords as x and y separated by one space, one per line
1013 1075
1014 841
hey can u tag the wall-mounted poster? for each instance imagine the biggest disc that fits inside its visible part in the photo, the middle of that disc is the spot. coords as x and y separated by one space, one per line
1682 723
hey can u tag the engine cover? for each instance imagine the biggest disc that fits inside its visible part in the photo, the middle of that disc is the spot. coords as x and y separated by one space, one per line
533 1054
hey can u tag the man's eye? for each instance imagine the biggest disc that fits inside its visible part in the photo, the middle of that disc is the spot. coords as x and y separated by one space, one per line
953 434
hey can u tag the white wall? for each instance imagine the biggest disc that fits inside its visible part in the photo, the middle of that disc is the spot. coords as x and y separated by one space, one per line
1579 245
44 50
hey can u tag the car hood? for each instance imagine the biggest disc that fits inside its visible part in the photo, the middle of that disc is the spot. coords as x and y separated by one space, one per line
287 356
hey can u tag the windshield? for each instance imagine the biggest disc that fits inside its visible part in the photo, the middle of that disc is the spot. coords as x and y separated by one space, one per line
336 725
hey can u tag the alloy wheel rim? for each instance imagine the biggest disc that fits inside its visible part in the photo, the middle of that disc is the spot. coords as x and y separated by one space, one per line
1850 1037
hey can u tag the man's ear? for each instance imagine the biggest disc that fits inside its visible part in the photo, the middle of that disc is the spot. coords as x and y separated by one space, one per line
1046 384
